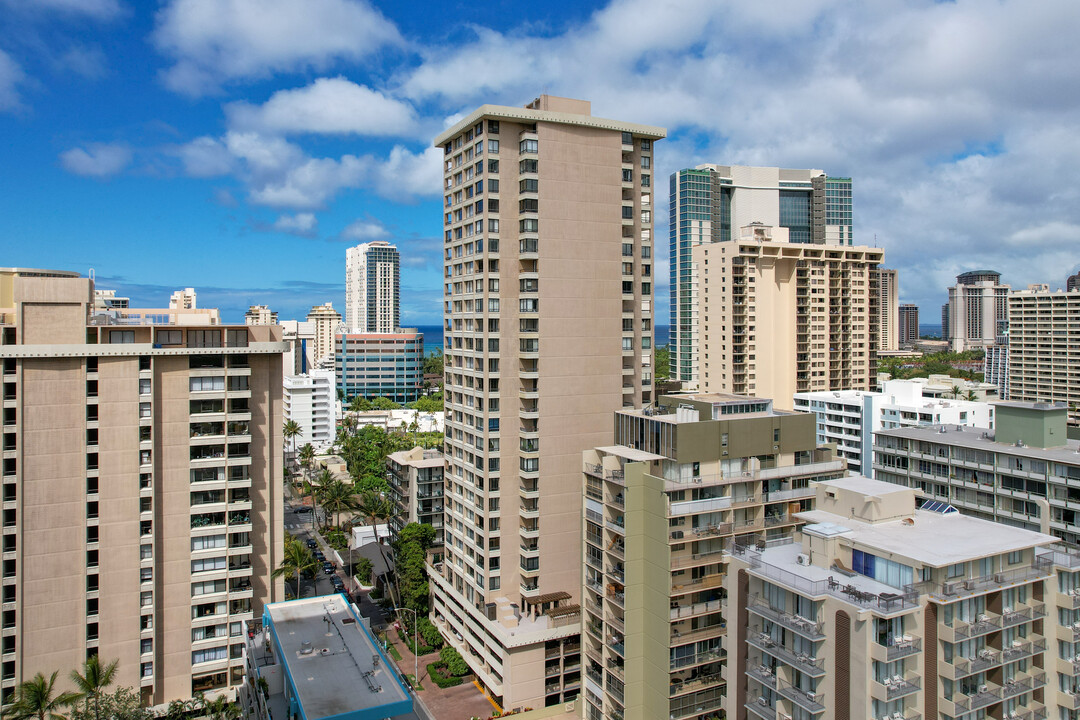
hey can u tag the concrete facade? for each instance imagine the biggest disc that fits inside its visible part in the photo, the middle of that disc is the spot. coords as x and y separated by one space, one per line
778 318
889 302
416 487
884 607
977 310
710 203
908 329
849 418
548 224
141 488
311 401
372 288
1043 351
327 322
661 503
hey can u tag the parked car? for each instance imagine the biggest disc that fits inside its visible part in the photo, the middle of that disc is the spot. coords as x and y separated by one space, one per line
312 544
328 568
319 556
303 509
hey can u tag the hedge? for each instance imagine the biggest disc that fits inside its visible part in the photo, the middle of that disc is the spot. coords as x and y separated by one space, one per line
443 682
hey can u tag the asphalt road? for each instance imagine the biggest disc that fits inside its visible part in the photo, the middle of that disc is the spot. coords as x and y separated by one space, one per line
299 525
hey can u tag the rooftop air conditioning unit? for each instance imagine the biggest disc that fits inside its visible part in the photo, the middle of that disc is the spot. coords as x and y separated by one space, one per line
802 559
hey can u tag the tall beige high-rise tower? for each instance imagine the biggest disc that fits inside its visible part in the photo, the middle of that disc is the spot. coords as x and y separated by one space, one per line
327 320
141 487
779 317
372 288
889 303
548 309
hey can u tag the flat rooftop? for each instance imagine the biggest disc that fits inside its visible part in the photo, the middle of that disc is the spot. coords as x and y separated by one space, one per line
332 661
932 538
969 437
866 486
631 454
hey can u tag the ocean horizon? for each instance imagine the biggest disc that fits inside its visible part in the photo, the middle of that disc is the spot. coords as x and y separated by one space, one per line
433 337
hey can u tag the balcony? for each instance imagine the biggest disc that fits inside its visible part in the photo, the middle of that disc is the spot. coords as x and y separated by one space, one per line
679 612
807 700
795 623
699 683
804 663
762 675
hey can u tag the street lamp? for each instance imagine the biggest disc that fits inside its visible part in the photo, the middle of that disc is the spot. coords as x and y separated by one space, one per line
416 644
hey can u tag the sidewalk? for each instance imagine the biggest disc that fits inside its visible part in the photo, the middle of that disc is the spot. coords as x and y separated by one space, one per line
455 703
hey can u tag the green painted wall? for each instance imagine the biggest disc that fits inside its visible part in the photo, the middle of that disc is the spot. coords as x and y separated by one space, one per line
1037 426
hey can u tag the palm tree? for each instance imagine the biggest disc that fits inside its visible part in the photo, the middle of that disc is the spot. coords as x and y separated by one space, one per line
337 497
972 395
956 392
375 506
307 459
93 680
221 709
35 699
313 488
296 559
290 431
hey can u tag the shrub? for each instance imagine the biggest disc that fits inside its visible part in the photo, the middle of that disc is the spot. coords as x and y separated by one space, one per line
455 664
363 570
440 676
430 633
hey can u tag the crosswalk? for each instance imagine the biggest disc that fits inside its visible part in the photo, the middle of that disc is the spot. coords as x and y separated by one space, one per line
295 526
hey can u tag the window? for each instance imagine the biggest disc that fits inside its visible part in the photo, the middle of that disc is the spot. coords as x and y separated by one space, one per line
493 225
528 166
646 162
209 655
493 147
493 166
208 564
205 384
628 212
207 542
646 180
204 338
528 146
529 185
170 337
529 225
627 175
628 249
125 337
493 127
529 205
646 145
207 587
237 338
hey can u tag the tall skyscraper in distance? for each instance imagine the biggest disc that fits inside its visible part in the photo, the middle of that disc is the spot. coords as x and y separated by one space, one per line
1072 282
779 318
142 487
909 324
372 288
889 302
327 321
548 329
977 311
1042 348
260 315
711 202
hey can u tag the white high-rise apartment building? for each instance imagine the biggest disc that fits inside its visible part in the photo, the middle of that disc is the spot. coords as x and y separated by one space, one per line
548 329
310 400
372 288
1043 349
889 319
183 300
977 311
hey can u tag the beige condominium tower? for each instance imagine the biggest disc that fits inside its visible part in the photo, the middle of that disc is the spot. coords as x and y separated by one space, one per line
141 487
679 484
779 317
888 607
548 329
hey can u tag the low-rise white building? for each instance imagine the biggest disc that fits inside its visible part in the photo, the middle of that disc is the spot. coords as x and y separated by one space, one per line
402 419
850 418
310 402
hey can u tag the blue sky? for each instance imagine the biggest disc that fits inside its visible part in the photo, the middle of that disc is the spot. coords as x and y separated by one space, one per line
239 146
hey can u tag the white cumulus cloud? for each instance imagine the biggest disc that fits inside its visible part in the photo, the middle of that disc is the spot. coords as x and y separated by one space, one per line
96 159
216 41
327 106
302 224
364 231
11 75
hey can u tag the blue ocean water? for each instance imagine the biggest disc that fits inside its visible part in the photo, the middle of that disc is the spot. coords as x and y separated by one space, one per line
433 336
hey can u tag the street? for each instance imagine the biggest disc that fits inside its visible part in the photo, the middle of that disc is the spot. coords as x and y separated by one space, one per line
299 526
